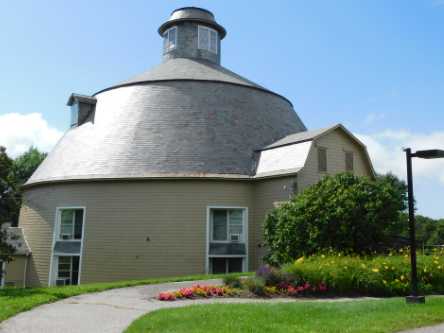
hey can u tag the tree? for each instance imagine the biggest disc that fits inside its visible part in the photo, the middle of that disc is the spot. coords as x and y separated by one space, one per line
8 202
343 212
13 174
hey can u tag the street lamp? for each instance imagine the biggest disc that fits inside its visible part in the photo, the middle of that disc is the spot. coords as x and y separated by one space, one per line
427 154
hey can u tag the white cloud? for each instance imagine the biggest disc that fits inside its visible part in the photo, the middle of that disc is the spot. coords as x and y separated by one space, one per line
385 149
373 118
20 131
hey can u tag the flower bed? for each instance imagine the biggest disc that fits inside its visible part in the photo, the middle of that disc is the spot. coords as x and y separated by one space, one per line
198 291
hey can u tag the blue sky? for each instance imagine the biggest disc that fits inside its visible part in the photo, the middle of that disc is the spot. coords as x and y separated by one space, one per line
375 66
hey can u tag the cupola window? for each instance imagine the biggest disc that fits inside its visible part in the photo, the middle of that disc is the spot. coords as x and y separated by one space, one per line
207 39
170 39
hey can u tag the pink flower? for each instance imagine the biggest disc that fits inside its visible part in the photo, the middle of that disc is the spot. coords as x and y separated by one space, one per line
166 296
322 287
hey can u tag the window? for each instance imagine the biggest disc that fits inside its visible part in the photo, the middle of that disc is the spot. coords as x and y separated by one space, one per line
207 39
227 225
68 270
322 159
71 224
226 265
170 39
349 161
74 114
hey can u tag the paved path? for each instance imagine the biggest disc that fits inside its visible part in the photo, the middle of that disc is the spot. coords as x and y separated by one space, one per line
429 329
113 310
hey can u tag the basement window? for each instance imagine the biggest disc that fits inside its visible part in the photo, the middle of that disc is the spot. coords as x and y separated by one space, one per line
170 39
67 270
207 38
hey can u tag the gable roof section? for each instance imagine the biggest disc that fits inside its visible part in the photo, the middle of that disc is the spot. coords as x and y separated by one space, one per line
309 136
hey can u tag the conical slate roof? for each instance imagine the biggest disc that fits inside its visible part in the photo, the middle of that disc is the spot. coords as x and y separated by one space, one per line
189 69
187 117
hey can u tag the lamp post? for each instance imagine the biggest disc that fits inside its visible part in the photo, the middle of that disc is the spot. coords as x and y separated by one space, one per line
427 154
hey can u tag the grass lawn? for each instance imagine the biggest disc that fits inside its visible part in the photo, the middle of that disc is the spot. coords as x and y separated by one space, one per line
13 301
388 315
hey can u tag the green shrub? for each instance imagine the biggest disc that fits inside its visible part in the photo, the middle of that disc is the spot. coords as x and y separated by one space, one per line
232 281
343 212
376 276
256 285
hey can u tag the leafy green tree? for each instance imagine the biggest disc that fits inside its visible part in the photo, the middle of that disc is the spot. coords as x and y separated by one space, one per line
13 174
342 212
26 164
8 202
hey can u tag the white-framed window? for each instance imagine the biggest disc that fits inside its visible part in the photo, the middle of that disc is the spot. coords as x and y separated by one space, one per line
226 265
227 225
207 38
70 222
67 270
170 39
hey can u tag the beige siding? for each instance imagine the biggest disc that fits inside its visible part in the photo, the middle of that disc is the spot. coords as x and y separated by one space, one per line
268 193
119 218
336 143
15 272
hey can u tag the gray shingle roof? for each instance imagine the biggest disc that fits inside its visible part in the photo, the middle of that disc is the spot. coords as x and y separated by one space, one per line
185 118
300 137
189 69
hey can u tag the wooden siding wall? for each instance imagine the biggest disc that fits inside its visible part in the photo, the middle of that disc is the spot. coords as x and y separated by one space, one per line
336 143
15 272
267 193
119 218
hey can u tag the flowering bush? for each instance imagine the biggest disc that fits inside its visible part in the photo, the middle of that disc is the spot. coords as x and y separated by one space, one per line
387 275
198 291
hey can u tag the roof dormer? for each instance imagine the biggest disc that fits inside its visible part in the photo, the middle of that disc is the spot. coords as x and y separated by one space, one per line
82 109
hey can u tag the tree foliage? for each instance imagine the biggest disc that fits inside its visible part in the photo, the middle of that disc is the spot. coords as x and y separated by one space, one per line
13 174
342 212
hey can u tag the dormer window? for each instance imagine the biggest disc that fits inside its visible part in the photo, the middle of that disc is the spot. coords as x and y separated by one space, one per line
207 39
74 114
170 39
82 109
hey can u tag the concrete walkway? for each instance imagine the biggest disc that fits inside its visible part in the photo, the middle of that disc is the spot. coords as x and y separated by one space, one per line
114 310
430 329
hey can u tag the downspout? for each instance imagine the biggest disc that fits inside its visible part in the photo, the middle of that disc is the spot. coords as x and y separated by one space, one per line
25 272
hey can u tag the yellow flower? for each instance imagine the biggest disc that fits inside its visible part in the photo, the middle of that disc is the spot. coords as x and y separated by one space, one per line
300 260
375 270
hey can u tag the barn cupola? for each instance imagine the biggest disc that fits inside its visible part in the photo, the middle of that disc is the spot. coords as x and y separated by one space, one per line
192 32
